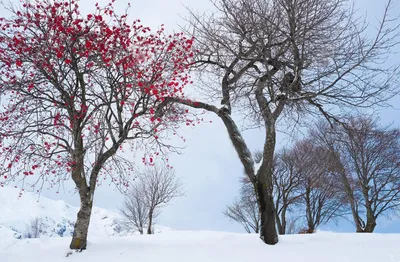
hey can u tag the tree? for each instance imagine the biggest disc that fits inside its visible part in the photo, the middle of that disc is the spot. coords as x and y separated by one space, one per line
135 210
321 198
77 90
157 186
245 209
367 155
282 58
287 181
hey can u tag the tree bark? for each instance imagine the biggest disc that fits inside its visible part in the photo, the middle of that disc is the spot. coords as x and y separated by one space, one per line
81 228
283 223
149 231
268 231
278 223
79 238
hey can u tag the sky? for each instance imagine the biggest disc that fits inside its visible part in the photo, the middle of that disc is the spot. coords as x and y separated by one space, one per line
209 167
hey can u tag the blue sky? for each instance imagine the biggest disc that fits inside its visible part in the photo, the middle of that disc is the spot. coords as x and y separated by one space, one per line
209 167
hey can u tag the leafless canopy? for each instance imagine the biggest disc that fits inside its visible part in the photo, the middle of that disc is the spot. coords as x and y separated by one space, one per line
279 58
321 199
367 156
315 52
157 186
135 210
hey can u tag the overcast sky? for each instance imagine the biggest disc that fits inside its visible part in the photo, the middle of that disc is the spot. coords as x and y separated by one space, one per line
209 167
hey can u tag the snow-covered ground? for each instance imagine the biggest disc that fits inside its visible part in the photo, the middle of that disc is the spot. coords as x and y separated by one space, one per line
199 246
108 243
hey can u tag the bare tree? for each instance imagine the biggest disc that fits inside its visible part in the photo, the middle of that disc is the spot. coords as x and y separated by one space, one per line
158 185
321 198
281 58
135 209
245 209
287 184
369 168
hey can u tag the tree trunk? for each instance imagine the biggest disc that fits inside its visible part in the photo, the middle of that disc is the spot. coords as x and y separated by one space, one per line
283 219
81 228
278 223
149 231
369 227
268 232
267 228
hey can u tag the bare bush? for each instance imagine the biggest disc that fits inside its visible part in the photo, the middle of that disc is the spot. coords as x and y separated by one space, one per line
35 228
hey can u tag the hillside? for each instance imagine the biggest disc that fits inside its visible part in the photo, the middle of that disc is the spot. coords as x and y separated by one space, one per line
55 218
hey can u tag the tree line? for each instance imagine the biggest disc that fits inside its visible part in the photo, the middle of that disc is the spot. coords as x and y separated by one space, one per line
348 171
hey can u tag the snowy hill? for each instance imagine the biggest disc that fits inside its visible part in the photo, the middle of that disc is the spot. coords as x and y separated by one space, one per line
54 218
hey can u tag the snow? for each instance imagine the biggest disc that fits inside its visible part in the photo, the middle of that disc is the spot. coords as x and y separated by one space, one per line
107 244
57 217
203 246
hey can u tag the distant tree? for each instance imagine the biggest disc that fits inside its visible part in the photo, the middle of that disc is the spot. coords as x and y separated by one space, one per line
321 199
158 185
77 89
245 209
368 157
135 209
287 187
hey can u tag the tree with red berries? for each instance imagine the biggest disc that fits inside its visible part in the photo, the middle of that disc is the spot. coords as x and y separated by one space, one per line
77 90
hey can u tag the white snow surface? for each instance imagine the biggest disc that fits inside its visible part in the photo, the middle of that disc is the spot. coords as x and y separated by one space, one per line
105 244
203 246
